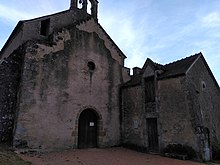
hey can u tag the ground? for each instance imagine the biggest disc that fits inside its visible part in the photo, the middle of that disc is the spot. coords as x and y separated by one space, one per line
110 156
7 157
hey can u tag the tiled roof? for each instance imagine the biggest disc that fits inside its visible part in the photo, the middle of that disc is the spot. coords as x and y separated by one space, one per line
173 69
178 68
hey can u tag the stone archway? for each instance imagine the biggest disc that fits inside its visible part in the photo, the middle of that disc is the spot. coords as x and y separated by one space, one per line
88 129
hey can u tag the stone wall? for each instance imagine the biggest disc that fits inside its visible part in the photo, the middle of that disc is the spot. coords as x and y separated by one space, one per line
205 98
133 117
58 85
174 117
91 26
204 105
10 71
30 29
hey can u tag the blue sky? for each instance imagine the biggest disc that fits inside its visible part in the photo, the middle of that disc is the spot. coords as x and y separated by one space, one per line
163 30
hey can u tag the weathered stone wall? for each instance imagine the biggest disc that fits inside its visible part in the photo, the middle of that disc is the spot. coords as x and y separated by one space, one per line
10 71
133 117
30 29
14 44
204 102
174 116
57 86
91 26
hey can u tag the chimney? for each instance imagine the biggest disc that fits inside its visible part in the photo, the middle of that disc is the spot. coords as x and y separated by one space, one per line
136 71
73 4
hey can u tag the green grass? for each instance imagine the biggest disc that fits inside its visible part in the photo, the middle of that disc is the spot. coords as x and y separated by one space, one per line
8 157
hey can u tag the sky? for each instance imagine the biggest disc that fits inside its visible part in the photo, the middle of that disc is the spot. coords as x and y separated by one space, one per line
162 30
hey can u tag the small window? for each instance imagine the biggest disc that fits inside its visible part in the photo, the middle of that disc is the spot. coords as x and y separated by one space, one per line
149 89
45 25
91 66
203 85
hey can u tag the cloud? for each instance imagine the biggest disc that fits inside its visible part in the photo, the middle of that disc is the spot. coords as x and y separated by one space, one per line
141 30
211 20
125 35
12 15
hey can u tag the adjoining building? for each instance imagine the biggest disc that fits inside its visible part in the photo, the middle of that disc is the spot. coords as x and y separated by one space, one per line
177 103
63 84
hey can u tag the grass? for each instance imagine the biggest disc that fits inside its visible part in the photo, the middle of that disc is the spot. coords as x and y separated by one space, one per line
8 157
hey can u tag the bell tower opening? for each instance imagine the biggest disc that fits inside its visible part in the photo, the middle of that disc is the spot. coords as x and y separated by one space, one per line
84 5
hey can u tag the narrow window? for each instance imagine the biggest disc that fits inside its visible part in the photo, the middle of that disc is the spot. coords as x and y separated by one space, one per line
203 85
45 25
149 90
91 66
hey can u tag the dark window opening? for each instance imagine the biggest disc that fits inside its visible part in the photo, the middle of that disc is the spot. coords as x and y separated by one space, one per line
91 66
203 85
149 89
45 25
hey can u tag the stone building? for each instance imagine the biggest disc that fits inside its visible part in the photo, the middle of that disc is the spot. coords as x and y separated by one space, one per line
177 103
63 84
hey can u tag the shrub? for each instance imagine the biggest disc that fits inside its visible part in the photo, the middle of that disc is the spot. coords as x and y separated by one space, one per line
216 149
180 149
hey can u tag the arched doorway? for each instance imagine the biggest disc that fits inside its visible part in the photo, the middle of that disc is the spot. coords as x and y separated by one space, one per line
87 129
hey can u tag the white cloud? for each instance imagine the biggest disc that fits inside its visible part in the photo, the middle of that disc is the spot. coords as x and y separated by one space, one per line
12 15
126 36
211 20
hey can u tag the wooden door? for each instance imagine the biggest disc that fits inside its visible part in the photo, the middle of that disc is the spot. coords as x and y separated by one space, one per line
152 134
87 130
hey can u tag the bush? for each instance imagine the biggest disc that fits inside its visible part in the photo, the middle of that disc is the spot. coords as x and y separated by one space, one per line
180 149
8 157
216 149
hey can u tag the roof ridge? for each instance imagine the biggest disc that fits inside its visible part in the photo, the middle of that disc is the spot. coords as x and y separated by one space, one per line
115 45
183 59
159 66
179 67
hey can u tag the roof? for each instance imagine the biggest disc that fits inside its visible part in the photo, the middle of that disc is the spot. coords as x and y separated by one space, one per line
173 69
154 65
135 80
179 67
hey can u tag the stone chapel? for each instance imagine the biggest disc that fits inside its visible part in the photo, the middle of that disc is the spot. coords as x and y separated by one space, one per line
63 84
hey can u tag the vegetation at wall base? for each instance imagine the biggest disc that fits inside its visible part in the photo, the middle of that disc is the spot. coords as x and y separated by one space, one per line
180 149
216 149
8 157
